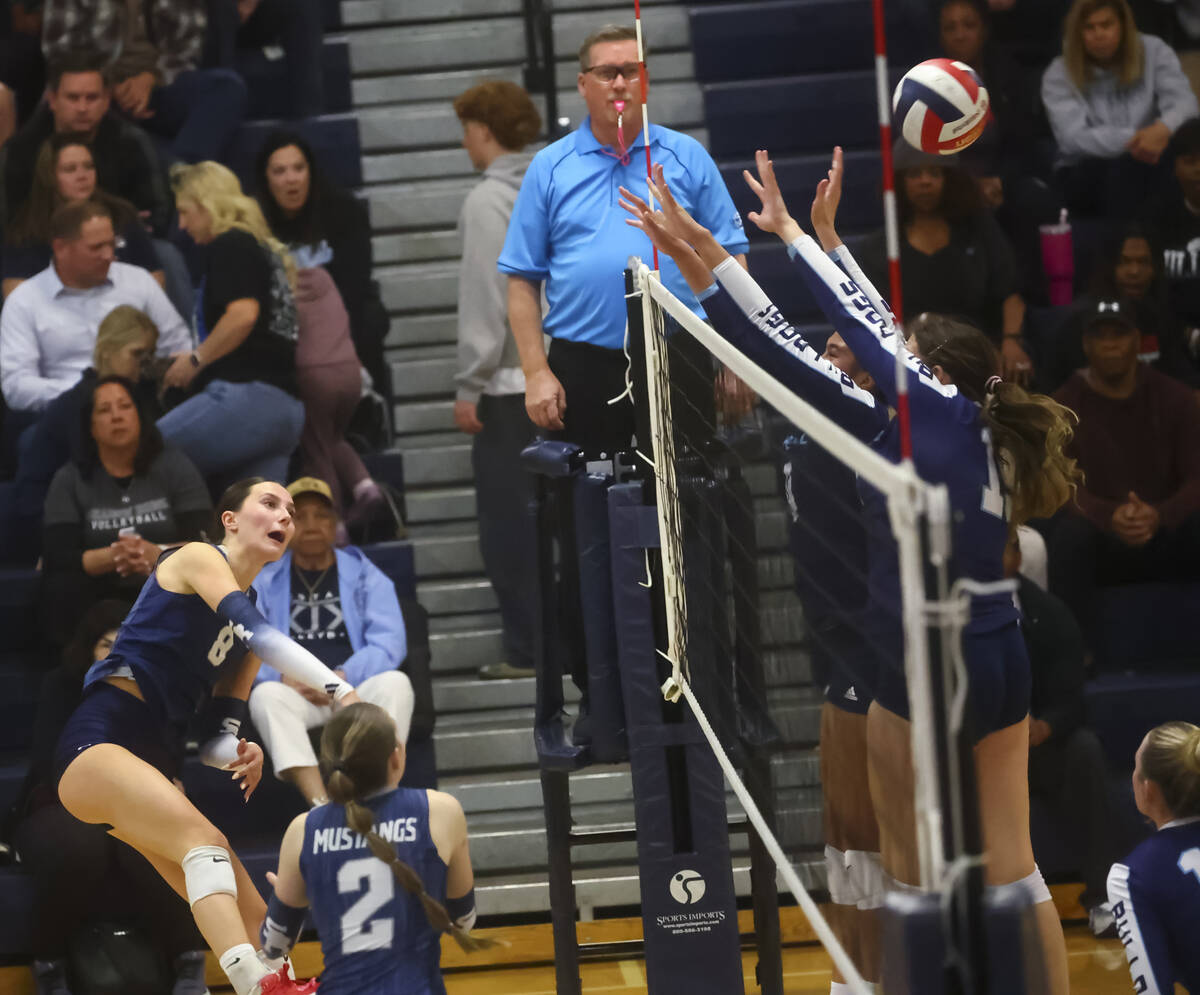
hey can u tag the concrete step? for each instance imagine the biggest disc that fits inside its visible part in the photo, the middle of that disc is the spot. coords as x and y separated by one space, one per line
416 246
444 85
463 750
422 329
465 652
496 41
423 416
452 465
469 694
464 622
488 793
419 286
366 13
448 597
439 504
428 376
445 556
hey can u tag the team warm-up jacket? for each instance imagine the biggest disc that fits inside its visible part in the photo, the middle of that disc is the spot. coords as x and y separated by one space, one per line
1155 898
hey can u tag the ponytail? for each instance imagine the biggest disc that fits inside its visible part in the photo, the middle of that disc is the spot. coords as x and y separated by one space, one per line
354 752
1031 433
1171 759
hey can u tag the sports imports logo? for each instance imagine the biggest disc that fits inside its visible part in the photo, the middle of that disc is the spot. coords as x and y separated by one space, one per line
687 887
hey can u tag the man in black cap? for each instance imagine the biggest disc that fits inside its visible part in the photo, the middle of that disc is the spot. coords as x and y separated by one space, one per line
1136 516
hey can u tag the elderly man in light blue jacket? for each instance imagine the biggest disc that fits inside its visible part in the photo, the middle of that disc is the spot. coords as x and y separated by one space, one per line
339 605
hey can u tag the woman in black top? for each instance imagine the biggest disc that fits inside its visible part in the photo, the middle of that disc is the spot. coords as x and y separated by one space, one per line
65 173
113 508
243 418
954 258
306 209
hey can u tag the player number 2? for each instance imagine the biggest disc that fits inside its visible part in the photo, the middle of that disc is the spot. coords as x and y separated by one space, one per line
358 932
994 501
1189 862
221 646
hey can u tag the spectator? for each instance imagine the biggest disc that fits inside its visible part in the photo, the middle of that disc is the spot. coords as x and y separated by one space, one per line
305 209
1067 769
114 507
1175 221
77 100
1136 517
66 174
124 345
1004 159
1114 98
81 873
569 234
339 605
49 323
498 120
1129 267
954 257
243 418
329 378
22 68
1028 29
154 47
247 36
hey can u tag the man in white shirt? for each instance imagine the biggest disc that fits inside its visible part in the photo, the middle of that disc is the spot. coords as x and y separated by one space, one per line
49 323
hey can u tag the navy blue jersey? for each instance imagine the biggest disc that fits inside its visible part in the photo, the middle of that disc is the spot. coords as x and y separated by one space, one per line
374 935
173 646
1155 897
949 441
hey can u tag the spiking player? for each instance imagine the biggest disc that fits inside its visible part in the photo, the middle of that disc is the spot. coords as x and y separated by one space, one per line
192 633
1155 894
971 430
345 859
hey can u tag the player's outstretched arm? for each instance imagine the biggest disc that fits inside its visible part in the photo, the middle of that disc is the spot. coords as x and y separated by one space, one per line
289 896
773 216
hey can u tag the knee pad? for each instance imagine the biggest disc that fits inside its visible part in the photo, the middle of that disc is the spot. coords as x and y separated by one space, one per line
842 888
208 870
866 870
1032 886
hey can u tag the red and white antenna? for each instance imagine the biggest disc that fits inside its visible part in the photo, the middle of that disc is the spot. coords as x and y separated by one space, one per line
641 54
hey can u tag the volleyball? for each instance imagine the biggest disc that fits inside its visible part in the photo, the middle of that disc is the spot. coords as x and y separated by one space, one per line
940 106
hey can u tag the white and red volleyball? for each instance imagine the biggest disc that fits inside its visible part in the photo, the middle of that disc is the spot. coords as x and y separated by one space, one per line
940 106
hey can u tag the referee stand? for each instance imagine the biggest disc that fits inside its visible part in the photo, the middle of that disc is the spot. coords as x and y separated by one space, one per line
603 622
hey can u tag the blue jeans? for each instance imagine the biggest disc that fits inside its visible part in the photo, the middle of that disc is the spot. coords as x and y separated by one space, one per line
236 430
198 112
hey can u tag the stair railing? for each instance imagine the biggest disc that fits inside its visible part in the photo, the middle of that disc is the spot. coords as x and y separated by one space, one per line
539 73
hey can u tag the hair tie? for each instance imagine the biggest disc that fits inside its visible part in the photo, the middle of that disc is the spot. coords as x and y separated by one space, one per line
992 381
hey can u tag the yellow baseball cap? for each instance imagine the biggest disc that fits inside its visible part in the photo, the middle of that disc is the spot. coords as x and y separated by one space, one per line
310 485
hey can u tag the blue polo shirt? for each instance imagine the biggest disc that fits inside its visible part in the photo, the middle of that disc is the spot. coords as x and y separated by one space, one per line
568 228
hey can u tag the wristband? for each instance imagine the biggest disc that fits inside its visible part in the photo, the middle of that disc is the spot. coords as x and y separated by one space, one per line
462 910
281 928
221 726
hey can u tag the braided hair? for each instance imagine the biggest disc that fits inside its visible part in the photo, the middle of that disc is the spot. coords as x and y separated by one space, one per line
355 747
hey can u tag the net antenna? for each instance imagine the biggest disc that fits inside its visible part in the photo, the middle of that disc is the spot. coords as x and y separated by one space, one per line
641 54
912 503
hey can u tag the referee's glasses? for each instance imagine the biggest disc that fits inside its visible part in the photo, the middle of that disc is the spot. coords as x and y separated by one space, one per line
608 74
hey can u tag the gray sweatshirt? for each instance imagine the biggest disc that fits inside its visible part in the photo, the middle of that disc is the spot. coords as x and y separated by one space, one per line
488 362
1100 121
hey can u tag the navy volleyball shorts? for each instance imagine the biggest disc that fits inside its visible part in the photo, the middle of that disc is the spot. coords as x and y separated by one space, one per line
109 715
1000 680
843 666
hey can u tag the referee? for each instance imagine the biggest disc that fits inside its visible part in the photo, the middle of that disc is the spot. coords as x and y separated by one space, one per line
568 235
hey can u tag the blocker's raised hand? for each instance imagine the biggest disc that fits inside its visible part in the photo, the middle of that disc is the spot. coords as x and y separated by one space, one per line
774 216
825 202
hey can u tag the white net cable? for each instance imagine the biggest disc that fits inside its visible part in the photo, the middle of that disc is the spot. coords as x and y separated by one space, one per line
910 502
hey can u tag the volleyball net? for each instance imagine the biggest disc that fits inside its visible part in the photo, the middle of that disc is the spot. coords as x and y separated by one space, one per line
769 609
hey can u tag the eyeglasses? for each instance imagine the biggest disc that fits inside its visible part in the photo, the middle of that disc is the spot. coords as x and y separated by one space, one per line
607 74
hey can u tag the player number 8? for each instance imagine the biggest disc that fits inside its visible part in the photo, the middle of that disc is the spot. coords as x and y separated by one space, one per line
221 646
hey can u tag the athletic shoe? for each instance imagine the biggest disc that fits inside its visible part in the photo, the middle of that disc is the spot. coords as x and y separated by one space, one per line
50 977
189 974
282 983
1101 921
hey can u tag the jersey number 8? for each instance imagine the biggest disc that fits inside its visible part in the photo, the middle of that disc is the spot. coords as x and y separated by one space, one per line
221 646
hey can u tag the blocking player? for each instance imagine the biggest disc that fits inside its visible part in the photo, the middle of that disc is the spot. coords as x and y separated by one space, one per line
998 449
345 860
192 633
1155 893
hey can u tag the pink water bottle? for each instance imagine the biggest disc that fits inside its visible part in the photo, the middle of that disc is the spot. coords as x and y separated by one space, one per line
1058 260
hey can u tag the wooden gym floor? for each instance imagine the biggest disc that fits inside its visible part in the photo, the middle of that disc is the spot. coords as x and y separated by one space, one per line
525 965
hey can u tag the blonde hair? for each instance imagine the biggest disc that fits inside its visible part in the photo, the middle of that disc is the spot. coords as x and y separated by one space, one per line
1171 760
122 326
216 189
1130 56
355 746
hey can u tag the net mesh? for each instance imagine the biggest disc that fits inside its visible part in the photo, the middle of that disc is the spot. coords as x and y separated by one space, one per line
770 611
